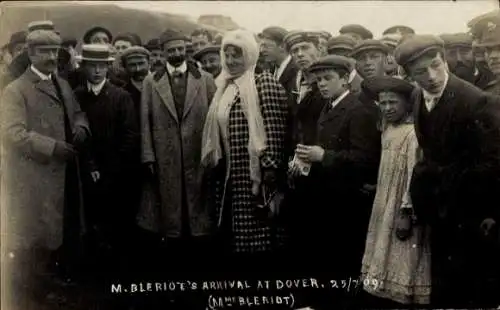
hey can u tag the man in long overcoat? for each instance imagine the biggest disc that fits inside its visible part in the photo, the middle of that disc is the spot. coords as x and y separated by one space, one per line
174 107
454 187
42 131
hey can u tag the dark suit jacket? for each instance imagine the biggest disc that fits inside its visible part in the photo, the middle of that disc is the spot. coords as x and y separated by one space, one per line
288 77
459 139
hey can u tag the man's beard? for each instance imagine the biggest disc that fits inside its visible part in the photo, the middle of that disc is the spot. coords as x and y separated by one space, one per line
464 71
176 60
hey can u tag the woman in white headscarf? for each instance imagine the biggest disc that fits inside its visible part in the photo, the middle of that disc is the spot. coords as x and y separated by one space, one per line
243 144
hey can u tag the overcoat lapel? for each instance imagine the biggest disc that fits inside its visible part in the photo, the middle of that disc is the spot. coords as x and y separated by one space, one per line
192 89
46 87
162 86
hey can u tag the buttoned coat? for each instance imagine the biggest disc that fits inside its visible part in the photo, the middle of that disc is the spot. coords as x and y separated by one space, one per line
33 183
173 143
329 203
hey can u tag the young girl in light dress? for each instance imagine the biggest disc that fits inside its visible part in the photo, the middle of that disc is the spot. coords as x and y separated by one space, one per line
396 262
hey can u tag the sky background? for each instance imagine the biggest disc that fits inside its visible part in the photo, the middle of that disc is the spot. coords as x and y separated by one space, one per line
423 16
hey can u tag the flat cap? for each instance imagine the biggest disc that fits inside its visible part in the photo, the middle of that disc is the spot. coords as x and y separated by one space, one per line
357 29
341 42
209 49
298 36
89 33
274 33
369 45
399 29
486 29
43 37
324 34
380 84
153 44
135 51
481 19
334 62
41 25
391 39
415 46
95 52
457 39
172 35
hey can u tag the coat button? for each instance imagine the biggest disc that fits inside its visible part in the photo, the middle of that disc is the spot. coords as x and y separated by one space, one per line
449 257
459 226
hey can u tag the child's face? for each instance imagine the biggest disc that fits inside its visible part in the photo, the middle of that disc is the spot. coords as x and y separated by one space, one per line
330 84
393 106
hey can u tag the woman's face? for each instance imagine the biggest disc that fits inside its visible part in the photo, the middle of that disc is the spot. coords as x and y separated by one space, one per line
234 60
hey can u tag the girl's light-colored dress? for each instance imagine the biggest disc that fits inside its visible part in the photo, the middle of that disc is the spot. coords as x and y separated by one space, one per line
394 269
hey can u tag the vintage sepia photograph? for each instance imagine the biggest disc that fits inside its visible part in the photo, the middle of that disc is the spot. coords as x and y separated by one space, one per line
303 155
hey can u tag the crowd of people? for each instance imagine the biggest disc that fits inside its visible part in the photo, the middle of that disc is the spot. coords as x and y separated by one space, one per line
292 151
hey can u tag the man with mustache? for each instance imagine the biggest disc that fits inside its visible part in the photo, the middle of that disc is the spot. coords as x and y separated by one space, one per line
114 150
173 110
461 60
157 59
487 29
43 130
135 61
454 188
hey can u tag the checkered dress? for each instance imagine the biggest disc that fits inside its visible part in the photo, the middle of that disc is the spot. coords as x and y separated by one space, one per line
249 233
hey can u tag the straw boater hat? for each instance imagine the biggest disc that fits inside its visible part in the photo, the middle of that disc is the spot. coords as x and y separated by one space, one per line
95 52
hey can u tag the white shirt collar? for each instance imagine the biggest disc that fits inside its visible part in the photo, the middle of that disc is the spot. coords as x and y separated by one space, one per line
340 98
43 77
282 67
182 68
96 89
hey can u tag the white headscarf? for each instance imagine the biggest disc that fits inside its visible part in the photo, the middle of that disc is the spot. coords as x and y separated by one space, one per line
228 86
